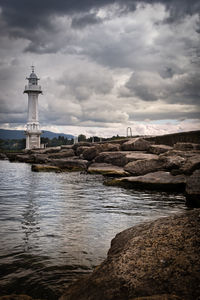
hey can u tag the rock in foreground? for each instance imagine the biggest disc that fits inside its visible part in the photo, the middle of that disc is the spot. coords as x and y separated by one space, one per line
106 169
160 180
155 258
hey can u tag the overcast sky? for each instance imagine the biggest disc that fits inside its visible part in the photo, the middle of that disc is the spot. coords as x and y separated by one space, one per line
103 65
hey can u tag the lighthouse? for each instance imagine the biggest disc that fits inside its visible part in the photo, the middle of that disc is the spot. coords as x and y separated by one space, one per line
33 131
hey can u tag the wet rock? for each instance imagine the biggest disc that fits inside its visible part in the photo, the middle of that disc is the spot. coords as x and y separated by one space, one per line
70 164
160 180
62 154
136 144
3 156
25 158
44 168
141 167
12 156
106 169
158 149
154 260
186 146
193 189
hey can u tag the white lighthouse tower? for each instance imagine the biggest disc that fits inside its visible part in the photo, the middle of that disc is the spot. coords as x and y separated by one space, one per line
33 131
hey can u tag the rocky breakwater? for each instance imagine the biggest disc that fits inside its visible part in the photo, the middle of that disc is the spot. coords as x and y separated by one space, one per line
134 163
155 260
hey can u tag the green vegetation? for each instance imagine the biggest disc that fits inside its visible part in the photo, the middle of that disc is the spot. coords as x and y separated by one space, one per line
12 145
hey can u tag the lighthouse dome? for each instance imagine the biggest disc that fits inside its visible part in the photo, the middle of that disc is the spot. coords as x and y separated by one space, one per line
33 79
33 75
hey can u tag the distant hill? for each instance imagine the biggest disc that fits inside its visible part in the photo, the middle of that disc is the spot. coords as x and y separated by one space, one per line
7 134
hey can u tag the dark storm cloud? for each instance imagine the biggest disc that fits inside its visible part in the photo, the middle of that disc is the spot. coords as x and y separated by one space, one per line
183 88
85 20
25 15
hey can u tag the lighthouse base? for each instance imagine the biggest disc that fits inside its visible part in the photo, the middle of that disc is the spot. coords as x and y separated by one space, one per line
33 140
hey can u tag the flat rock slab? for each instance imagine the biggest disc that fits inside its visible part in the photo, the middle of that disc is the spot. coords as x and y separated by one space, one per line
121 158
153 181
138 155
141 167
44 168
155 258
70 164
106 169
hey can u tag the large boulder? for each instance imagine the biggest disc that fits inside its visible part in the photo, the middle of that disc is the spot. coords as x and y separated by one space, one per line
155 258
158 149
160 180
136 144
106 169
172 162
115 158
192 163
70 164
193 188
141 167
81 149
91 152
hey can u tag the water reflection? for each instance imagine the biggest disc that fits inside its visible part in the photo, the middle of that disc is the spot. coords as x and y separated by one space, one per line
56 227
30 216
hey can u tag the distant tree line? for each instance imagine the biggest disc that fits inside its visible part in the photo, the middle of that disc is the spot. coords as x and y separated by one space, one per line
20 144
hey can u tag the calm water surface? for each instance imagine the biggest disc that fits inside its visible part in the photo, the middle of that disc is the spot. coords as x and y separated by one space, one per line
56 227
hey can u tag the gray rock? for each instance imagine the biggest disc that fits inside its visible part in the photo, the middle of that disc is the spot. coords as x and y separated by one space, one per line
115 158
172 162
141 167
158 149
160 180
157 260
138 155
62 154
106 169
109 147
136 144
91 153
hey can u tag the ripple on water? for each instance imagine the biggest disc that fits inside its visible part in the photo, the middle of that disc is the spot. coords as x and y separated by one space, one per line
57 227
